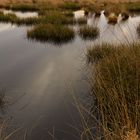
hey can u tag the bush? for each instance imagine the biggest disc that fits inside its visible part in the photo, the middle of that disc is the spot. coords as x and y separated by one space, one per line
52 33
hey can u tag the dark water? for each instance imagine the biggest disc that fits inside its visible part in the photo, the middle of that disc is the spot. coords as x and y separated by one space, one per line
42 79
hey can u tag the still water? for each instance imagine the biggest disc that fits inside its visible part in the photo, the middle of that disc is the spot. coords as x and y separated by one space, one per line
42 79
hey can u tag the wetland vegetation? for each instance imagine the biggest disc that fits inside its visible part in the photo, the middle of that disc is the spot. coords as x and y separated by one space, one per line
50 32
88 32
115 88
114 77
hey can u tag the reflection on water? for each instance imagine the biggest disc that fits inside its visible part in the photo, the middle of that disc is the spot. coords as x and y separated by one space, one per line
41 79
4 27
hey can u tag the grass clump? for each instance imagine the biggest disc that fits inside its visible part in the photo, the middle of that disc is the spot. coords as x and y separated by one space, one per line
134 7
125 15
52 33
24 7
81 20
88 32
115 83
28 21
112 19
2 99
68 13
10 17
138 29
55 17
70 6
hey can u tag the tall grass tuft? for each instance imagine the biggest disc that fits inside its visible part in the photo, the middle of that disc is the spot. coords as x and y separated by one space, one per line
52 33
112 19
2 99
89 32
81 21
7 17
138 29
115 83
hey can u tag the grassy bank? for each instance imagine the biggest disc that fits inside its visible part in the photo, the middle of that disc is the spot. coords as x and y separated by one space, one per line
115 83
53 17
52 33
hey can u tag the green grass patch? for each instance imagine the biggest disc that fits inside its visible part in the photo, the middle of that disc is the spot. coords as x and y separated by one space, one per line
88 32
81 20
7 17
56 17
51 33
28 21
24 7
52 17
115 83
70 6
133 7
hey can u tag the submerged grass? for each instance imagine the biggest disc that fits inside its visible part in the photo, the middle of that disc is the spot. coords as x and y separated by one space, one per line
115 83
89 32
52 33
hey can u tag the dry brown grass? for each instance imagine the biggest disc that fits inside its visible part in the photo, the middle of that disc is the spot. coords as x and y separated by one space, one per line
115 86
61 1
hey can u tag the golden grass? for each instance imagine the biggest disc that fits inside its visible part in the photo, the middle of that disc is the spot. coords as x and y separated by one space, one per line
115 83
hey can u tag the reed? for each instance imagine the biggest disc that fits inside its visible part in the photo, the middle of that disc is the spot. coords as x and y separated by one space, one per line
115 83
